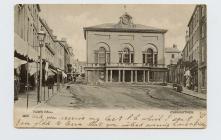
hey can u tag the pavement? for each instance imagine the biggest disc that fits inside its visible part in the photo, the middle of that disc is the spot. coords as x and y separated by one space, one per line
29 99
202 96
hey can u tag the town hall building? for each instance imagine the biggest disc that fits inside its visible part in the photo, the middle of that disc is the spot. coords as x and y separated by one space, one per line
125 52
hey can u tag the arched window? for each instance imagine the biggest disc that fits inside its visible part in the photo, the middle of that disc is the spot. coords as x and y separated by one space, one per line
102 56
126 56
126 53
150 57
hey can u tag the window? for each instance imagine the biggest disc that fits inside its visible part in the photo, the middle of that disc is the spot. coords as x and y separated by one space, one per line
143 58
132 58
150 56
172 56
203 10
155 59
102 55
203 30
120 57
28 31
126 55
108 57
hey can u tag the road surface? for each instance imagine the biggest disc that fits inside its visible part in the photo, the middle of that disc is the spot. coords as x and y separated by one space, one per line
80 96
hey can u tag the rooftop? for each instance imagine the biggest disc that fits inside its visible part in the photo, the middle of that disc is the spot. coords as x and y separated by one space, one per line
124 25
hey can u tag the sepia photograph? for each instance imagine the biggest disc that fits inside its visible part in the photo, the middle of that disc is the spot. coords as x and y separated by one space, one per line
110 65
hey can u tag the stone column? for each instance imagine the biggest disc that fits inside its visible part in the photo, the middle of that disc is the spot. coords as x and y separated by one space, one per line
144 76
131 76
111 76
123 76
119 75
129 57
135 76
148 76
106 76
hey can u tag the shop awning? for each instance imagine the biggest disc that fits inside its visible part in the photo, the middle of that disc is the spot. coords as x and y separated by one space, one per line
51 72
24 49
18 62
32 67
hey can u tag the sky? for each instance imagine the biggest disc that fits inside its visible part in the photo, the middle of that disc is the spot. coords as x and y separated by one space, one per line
68 21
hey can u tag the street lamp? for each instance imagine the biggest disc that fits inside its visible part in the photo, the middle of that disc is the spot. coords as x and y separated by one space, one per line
41 37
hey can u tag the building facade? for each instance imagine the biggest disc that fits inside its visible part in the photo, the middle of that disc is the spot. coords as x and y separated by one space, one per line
27 25
26 45
125 52
172 55
48 51
195 50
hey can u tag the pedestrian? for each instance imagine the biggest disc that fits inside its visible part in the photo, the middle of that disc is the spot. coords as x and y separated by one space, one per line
16 84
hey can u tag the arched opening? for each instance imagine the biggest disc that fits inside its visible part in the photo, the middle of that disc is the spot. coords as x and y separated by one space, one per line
126 56
102 54
150 57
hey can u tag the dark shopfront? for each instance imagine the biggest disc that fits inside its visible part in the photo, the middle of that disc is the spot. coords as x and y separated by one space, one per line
194 75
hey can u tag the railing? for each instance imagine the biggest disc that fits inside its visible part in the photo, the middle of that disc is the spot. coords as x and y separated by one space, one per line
125 65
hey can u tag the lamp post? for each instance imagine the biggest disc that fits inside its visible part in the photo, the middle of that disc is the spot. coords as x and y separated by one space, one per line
41 36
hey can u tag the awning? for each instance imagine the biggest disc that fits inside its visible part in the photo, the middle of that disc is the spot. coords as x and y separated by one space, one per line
32 67
54 71
18 62
51 72
24 49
